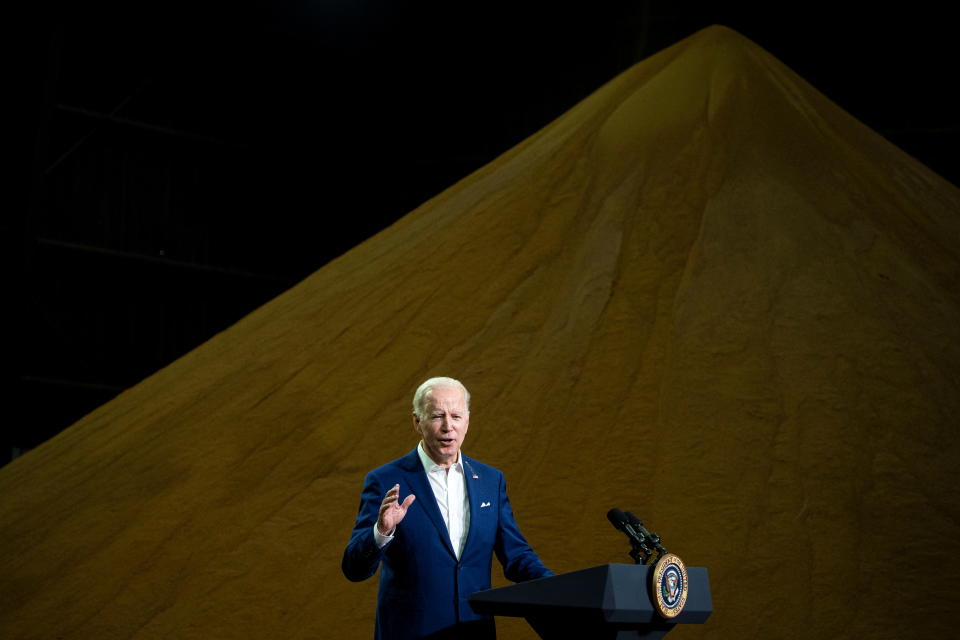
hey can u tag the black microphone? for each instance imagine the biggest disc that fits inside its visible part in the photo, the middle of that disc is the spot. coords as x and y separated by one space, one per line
641 540
621 521
649 538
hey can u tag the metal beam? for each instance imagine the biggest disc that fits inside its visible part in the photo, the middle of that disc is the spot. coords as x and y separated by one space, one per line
60 382
165 262
136 124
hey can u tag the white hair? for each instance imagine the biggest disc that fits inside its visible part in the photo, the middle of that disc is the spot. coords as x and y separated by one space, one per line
426 389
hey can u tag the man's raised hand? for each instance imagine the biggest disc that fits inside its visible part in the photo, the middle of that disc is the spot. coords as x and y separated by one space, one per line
391 511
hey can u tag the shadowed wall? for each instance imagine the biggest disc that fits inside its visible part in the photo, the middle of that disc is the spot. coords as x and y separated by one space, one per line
705 294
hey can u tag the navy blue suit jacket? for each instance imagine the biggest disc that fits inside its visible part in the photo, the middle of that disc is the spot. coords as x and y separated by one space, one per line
423 587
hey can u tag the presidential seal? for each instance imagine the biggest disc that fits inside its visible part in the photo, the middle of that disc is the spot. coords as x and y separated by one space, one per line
669 588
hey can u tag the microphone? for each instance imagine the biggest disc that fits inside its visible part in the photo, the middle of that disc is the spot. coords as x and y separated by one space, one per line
623 522
640 539
650 538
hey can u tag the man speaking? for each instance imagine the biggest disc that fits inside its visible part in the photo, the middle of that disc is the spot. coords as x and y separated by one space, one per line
434 519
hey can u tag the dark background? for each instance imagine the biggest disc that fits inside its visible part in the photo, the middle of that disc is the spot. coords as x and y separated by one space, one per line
183 164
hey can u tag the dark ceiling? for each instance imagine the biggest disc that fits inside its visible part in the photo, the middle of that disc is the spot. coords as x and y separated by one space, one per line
188 163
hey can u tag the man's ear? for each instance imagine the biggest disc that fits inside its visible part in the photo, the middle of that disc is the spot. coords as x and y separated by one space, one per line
416 423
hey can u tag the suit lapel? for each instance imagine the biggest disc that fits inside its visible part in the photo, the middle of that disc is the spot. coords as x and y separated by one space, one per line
420 487
474 494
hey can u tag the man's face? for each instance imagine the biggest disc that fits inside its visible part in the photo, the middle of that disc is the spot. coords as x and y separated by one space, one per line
444 424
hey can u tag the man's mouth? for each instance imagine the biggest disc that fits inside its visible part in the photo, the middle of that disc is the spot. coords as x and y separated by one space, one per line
446 441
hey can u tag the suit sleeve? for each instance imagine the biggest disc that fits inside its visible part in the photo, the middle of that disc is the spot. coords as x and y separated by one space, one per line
362 555
520 562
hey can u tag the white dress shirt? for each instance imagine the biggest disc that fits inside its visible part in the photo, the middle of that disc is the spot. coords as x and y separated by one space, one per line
450 491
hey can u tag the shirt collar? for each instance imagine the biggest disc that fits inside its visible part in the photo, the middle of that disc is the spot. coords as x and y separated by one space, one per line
428 463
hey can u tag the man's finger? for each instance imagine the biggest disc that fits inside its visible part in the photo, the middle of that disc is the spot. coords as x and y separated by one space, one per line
406 503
